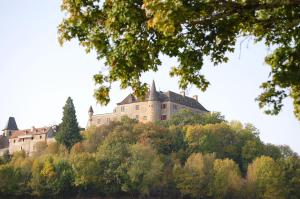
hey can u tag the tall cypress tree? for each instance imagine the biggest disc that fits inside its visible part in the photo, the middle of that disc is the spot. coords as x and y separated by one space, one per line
68 133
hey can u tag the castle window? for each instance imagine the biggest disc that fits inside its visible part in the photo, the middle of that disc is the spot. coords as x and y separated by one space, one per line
137 107
137 117
122 108
145 117
14 141
163 106
40 137
163 117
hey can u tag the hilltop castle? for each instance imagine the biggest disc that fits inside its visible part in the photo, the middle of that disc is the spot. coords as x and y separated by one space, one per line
156 106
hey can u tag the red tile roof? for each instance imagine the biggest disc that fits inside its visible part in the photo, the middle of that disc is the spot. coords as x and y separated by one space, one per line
33 131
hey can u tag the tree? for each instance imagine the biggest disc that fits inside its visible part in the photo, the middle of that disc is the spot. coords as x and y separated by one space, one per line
290 167
5 158
51 176
196 176
130 36
213 138
11 180
227 182
186 117
264 179
144 170
85 171
68 132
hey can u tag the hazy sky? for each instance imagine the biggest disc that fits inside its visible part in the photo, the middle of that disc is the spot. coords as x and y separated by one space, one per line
37 75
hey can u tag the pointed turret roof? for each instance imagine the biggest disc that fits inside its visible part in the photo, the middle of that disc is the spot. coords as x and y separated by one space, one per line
153 96
91 109
11 124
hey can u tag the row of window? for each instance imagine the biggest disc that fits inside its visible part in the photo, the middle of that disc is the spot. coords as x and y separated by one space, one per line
137 107
23 139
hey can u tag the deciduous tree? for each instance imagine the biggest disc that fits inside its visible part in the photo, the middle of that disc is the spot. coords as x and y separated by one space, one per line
130 36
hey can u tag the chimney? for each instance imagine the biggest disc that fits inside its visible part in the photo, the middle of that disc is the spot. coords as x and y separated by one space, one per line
195 97
182 93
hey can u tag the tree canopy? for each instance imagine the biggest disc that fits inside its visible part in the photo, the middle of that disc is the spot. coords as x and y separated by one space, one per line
68 132
127 159
130 36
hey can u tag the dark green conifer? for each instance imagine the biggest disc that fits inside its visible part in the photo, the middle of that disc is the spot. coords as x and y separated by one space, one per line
68 133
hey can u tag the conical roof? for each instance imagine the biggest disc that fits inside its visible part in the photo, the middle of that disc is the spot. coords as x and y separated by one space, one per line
153 96
11 124
91 109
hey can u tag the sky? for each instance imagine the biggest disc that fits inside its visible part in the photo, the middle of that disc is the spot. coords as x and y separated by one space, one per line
37 75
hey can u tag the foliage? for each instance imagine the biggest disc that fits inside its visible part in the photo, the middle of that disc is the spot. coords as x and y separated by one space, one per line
144 170
129 159
11 180
290 168
130 36
68 132
227 181
186 117
196 177
264 179
51 176
85 171
5 158
218 138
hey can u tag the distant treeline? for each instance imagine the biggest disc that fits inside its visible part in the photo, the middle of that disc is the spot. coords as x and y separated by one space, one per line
189 156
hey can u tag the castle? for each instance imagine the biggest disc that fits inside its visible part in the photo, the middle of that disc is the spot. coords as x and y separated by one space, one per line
14 139
156 106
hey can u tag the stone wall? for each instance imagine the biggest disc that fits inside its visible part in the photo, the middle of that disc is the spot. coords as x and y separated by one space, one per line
149 111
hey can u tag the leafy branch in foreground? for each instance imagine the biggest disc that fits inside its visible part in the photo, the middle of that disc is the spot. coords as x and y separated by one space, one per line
130 36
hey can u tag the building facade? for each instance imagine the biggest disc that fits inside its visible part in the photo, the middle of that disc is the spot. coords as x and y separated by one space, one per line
27 139
156 106
13 139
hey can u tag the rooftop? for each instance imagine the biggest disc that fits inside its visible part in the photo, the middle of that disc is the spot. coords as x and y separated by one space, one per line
11 124
154 95
32 131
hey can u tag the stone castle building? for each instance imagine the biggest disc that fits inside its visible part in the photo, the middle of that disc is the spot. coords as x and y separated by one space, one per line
14 139
156 106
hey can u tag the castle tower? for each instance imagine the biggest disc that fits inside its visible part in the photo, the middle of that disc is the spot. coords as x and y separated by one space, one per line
91 113
153 104
10 127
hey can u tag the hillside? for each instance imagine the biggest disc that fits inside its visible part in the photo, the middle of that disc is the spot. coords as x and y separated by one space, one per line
189 156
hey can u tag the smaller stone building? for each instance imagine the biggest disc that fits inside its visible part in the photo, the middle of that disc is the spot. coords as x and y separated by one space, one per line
155 106
27 139
14 139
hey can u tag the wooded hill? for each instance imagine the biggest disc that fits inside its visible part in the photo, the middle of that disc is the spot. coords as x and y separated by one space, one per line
189 156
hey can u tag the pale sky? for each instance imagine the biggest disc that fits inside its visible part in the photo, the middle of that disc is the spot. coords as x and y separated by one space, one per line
37 75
